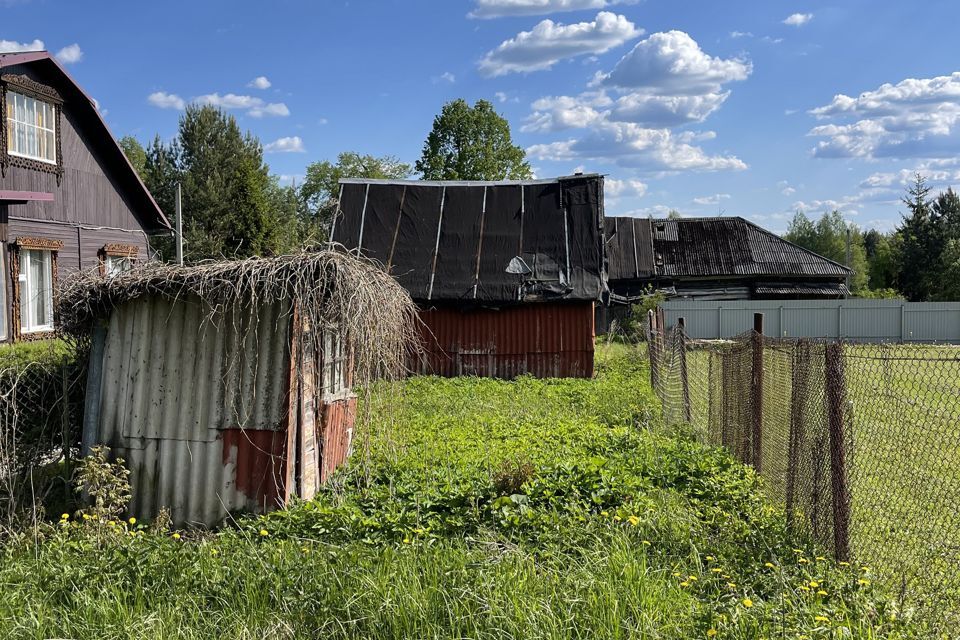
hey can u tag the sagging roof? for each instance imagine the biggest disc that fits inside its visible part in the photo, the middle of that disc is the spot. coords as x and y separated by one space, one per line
707 247
479 242
85 109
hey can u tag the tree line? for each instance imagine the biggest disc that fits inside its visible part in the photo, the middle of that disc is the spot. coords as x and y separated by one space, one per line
235 208
919 260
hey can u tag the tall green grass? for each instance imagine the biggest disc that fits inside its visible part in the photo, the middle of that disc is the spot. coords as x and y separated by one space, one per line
471 509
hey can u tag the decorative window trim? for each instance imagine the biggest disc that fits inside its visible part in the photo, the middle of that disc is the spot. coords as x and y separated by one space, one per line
16 332
42 244
116 250
26 86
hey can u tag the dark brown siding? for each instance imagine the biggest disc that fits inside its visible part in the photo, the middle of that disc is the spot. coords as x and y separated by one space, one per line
546 340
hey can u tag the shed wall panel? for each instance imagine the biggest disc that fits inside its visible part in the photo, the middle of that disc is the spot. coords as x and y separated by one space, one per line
544 340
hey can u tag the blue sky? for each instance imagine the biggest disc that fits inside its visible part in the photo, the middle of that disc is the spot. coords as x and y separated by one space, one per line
746 108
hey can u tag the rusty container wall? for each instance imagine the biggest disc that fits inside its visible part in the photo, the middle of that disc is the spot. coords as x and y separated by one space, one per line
337 424
547 340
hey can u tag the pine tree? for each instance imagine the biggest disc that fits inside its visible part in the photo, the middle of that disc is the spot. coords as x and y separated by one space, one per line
921 244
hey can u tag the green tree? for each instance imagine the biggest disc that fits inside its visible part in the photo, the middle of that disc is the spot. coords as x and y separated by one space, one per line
883 255
921 244
321 188
471 143
828 237
232 207
135 153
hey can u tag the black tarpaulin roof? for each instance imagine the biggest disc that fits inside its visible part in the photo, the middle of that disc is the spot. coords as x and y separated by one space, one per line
489 242
708 247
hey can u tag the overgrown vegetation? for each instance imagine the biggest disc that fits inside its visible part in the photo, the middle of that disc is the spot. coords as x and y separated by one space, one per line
472 508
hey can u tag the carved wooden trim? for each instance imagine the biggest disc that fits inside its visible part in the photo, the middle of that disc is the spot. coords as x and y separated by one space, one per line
43 244
121 250
29 87
26 86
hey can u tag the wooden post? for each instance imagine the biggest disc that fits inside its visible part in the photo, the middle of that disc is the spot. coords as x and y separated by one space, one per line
684 381
757 390
65 415
835 394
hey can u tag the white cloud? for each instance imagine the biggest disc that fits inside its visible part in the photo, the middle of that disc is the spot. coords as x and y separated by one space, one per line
70 54
798 19
915 118
12 46
501 8
714 199
740 34
291 144
664 82
164 100
656 211
501 96
446 76
614 188
550 42
673 63
785 188
260 82
630 145
255 107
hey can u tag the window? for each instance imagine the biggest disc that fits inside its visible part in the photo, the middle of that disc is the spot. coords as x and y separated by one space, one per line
36 290
334 365
31 128
112 265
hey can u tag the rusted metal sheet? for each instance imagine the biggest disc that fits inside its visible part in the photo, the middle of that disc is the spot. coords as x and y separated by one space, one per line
198 402
546 340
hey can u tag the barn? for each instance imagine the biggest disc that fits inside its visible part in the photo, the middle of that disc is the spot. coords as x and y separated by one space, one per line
720 258
506 274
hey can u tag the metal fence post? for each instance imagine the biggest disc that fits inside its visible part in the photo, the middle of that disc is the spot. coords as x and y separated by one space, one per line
684 381
836 399
652 349
757 390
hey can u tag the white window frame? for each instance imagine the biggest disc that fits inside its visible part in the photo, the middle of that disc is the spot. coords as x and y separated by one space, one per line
335 362
114 264
29 324
38 130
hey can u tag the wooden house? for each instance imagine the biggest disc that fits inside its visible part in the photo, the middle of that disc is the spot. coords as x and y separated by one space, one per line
69 198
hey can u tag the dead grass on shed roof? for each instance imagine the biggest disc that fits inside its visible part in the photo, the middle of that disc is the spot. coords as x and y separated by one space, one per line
375 315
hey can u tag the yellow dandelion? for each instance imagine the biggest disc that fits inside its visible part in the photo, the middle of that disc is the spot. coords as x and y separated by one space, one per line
821 592
844 564
634 520
692 578
64 516
804 587
617 518
305 550
725 576
676 574
264 533
798 550
111 523
604 513
176 536
711 632
86 516
803 561
822 619
768 565
710 558
814 584
716 570
132 521
731 585
684 584
646 543
406 541
214 552
864 582
821 559
747 602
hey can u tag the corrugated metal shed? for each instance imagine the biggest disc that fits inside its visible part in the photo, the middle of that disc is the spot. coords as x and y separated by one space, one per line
629 248
545 340
206 405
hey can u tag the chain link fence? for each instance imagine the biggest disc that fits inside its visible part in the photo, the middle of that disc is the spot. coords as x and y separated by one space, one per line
41 413
858 443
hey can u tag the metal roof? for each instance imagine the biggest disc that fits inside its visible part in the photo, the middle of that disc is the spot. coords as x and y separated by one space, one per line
629 248
721 247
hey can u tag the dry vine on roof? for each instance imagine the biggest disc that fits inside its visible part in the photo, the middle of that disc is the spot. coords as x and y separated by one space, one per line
333 290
